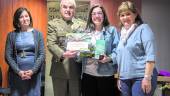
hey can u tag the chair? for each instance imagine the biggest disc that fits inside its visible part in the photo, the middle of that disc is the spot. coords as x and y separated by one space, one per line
3 91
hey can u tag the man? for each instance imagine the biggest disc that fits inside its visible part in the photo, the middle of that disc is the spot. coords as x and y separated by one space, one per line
65 71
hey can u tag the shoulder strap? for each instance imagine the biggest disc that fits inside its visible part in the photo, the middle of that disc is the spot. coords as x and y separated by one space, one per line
141 39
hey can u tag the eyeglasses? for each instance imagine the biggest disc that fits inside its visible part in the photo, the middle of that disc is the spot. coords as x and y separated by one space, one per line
96 13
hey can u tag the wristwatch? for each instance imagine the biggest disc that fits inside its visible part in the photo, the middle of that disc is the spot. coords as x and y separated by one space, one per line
148 77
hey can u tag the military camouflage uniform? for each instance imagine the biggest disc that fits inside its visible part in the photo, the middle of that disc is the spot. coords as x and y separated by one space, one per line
65 72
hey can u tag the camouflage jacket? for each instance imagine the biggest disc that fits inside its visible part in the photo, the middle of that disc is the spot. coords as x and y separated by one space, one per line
57 30
56 38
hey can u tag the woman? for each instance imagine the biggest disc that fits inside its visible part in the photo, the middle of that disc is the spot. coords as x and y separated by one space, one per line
135 54
98 73
25 55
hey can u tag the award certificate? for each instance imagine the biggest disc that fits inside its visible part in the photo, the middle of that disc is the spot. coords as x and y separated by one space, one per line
77 41
77 46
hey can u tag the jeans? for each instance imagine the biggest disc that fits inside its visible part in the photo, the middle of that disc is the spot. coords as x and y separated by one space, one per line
132 87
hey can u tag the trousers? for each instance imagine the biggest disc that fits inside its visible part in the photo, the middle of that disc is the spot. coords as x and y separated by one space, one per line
66 87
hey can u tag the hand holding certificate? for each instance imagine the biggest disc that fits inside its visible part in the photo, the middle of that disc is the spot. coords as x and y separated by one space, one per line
80 42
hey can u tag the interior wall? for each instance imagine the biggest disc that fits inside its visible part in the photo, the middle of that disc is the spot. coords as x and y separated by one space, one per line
156 14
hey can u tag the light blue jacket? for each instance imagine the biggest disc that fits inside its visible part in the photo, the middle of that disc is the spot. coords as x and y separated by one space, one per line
111 37
132 56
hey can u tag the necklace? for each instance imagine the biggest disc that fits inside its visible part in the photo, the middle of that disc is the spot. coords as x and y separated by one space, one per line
22 54
95 36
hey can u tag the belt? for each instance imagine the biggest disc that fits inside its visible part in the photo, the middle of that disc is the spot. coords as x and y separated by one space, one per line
23 54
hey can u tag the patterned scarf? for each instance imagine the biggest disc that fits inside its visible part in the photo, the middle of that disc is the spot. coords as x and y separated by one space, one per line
125 33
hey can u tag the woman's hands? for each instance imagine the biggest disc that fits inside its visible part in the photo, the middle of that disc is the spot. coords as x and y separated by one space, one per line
25 75
105 59
146 85
118 84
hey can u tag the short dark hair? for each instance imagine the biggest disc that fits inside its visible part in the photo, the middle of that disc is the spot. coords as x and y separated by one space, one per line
16 17
90 24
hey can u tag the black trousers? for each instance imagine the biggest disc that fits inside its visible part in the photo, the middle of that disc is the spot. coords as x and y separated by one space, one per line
97 86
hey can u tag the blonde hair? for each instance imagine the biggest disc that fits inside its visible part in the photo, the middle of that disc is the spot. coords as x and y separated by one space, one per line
125 6
70 1
129 6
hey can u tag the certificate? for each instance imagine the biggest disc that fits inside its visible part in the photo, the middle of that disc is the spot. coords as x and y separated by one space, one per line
77 46
77 41
78 37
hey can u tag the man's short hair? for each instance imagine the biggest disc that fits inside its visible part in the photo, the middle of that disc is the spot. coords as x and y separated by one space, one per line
70 1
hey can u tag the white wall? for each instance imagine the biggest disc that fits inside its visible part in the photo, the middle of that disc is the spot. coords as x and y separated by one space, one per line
157 14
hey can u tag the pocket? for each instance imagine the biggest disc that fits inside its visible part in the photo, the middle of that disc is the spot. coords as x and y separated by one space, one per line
138 49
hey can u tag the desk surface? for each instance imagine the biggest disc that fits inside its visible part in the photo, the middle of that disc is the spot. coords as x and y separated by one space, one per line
163 79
